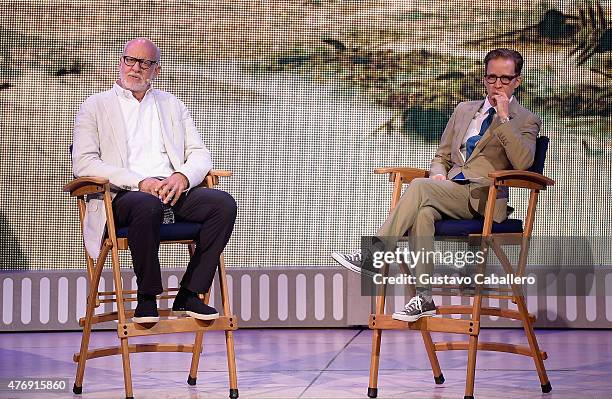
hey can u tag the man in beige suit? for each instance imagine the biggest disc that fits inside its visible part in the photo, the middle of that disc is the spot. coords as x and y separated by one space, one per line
145 142
481 136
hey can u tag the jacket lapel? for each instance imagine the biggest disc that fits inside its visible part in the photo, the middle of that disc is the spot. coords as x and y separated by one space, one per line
463 123
111 103
167 128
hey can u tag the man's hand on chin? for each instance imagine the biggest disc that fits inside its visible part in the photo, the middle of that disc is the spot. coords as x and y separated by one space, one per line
172 187
501 102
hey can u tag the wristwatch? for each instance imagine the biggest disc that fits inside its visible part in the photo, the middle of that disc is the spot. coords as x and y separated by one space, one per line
505 120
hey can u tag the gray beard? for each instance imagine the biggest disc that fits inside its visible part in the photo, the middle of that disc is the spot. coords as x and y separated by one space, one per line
134 87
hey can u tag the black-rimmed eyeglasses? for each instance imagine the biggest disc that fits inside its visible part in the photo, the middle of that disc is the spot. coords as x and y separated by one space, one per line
144 64
505 79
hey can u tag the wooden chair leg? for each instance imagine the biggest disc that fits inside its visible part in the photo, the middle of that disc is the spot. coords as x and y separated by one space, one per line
197 347
433 358
376 338
127 370
78 381
533 345
374 363
92 302
229 335
519 300
472 350
473 340
195 358
231 364
125 351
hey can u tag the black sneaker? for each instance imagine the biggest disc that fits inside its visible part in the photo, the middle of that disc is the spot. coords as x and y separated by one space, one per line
353 262
146 310
416 308
189 303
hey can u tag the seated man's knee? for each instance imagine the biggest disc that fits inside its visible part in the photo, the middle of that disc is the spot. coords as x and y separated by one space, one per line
149 206
421 182
427 214
227 205
415 187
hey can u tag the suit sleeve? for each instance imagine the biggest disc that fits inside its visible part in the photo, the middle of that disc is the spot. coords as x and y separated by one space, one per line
198 161
441 162
86 160
519 140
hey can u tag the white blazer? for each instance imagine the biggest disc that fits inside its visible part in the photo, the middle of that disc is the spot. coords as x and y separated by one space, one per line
100 150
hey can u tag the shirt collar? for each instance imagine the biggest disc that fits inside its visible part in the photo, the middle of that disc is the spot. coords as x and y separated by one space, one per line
126 94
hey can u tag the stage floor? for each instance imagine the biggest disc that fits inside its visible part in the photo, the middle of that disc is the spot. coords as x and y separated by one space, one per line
318 363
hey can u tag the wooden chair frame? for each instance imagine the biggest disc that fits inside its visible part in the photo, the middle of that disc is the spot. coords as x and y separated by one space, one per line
380 321
226 322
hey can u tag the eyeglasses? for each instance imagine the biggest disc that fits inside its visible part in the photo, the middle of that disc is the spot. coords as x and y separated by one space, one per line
505 79
144 64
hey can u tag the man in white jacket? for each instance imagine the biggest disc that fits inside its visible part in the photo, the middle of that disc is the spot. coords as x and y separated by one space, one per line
145 142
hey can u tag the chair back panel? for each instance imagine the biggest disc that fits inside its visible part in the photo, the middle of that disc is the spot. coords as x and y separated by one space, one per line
540 155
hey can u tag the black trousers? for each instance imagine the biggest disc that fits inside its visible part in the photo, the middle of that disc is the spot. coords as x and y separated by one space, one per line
142 213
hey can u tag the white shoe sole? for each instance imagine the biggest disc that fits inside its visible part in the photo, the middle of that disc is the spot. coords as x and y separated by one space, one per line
177 314
202 316
338 257
411 319
143 320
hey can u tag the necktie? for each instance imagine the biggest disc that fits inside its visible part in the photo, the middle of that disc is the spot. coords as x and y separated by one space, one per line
470 144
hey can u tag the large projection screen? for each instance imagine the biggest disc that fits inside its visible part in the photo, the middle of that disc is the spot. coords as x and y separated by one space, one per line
301 100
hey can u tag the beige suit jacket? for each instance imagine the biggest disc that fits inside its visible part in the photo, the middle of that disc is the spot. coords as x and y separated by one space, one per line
100 150
509 145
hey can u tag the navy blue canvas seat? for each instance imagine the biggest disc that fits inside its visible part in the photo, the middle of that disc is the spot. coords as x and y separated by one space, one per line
171 232
455 228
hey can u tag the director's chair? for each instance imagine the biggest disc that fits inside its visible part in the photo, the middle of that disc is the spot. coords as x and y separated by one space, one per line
180 232
489 234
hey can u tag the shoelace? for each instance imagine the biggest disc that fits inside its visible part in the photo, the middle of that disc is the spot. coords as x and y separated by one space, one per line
354 256
415 303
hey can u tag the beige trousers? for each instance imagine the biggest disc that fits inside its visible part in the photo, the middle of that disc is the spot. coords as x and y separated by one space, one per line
423 203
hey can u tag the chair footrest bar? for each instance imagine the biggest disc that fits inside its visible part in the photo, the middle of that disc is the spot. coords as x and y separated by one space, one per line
437 324
488 346
134 292
187 324
137 348
486 311
469 294
113 316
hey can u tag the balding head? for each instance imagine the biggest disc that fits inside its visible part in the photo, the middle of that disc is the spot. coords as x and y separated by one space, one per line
144 46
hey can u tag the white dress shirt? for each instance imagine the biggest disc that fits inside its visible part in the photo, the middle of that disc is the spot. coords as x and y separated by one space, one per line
146 151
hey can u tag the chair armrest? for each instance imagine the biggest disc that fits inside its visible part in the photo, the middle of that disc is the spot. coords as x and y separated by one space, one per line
220 172
85 185
406 174
212 178
520 178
